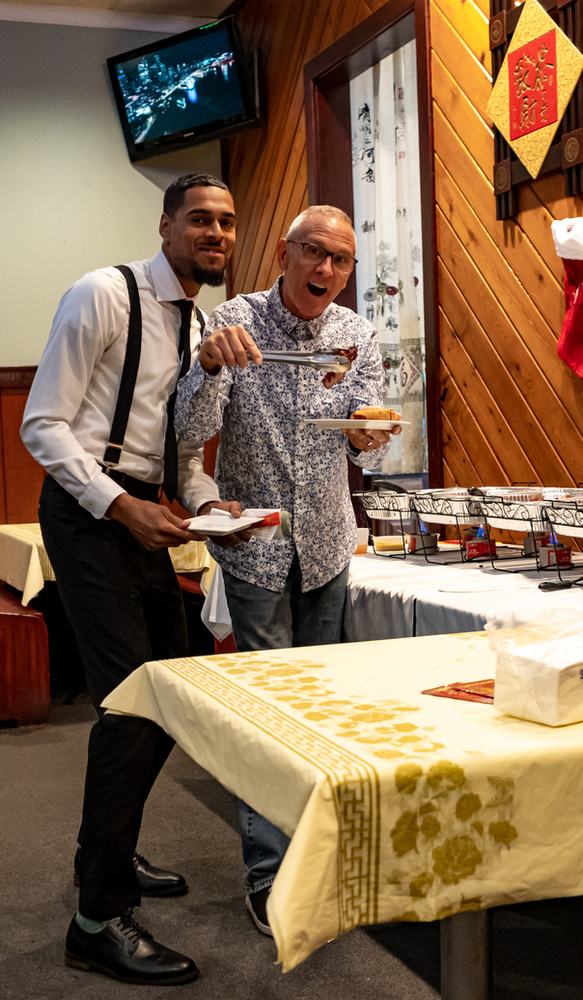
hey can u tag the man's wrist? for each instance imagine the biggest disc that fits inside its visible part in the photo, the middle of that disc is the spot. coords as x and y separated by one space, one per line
122 502
206 506
212 370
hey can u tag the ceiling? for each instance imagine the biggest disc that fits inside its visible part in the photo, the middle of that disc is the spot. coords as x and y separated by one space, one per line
197 11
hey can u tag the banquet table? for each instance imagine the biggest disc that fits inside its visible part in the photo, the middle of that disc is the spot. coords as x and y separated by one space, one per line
25 565
393 598
401 806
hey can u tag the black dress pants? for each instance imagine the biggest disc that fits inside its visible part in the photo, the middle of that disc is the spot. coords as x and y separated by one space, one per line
125 607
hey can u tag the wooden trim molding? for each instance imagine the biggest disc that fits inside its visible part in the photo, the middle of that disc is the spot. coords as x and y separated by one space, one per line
17 377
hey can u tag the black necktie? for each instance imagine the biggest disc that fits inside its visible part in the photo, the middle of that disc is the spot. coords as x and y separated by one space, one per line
170 484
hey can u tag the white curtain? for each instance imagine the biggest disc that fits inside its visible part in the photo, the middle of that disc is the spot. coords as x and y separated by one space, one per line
387 220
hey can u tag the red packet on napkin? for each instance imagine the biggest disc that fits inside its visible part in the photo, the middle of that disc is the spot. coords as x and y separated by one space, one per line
267 524
264 522
466 691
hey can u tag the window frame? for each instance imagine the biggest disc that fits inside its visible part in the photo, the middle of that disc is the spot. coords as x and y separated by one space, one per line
327 108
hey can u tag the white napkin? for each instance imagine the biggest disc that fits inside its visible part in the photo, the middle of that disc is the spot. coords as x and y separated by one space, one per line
215 610
568 237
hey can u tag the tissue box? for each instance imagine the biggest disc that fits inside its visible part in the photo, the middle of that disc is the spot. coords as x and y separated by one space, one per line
539 666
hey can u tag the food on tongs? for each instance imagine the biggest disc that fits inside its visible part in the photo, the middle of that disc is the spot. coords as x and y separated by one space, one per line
375 413
349 352
334 361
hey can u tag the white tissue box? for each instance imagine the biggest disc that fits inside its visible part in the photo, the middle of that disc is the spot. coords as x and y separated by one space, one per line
539 668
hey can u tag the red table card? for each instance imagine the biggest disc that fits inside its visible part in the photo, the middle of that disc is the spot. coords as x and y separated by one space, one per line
471 691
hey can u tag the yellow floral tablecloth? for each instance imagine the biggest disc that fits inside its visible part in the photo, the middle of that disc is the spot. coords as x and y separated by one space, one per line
25 565
402 806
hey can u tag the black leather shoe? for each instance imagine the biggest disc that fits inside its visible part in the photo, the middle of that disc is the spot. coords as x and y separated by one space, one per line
125 951
152 881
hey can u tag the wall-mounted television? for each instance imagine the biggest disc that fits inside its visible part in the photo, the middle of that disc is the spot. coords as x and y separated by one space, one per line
184 90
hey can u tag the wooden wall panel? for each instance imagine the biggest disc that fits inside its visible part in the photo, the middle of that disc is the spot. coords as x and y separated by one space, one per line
500 285
515 420
470 21
460 113
266 169
476 203
463 65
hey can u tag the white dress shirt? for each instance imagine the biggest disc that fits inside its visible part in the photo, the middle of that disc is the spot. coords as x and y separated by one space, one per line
70 408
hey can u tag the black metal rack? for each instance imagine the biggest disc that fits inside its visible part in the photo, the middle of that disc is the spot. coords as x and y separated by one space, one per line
461 508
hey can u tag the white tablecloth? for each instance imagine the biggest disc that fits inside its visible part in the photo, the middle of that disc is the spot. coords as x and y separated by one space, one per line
25 565
402 806
397 598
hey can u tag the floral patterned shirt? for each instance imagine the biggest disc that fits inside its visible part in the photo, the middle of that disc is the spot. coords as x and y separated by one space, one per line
268 455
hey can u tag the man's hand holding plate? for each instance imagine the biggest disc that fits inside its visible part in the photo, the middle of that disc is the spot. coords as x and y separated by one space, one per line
154 526
234 509
370 440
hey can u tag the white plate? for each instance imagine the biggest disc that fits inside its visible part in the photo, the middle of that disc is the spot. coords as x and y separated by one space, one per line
356 425
206 524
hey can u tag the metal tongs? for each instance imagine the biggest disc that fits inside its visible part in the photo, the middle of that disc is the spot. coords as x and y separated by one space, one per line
332 361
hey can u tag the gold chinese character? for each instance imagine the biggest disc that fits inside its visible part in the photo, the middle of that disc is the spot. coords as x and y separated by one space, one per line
540 76
527 112
521 72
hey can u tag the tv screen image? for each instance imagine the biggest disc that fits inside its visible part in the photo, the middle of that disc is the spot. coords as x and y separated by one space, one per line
183 90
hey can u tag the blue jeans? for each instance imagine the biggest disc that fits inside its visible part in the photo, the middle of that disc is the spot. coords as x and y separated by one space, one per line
263 619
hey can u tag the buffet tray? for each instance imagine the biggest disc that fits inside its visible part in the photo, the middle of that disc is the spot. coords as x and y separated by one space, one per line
525 508
447 506
386 504
565 516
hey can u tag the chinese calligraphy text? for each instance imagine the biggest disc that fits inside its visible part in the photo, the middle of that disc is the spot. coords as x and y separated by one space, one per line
532 91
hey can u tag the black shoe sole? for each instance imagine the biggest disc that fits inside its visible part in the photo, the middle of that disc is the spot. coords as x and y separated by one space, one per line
180 890
88 965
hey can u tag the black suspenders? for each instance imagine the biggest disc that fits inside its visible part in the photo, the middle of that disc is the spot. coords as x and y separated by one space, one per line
129 373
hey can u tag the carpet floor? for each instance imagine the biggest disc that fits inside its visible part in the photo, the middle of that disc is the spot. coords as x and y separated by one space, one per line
190 826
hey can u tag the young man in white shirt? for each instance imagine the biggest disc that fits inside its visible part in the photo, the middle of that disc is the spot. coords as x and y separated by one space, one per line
107 538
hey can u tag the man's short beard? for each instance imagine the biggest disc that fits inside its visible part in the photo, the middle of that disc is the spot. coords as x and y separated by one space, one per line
206 276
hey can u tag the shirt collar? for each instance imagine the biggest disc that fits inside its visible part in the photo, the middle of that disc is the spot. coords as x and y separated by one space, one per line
167 287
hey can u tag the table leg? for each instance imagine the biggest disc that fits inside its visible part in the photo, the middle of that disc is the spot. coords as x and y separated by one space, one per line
466 958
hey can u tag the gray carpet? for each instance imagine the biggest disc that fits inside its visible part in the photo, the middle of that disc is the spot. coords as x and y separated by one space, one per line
190 826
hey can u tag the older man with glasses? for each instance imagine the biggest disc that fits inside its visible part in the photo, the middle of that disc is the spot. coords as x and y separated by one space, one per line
289 591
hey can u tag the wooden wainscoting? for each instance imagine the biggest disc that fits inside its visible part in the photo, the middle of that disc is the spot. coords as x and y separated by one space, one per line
21 478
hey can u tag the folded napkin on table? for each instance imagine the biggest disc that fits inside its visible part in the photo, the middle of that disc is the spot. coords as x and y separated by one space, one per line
215 610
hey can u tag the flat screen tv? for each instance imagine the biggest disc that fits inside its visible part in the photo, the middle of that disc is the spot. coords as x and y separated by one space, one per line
184 90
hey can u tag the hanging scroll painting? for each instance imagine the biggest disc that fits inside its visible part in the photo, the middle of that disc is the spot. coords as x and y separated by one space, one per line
539 73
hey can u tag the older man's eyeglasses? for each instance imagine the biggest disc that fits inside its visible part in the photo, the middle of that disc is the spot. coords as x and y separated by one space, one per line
317 254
